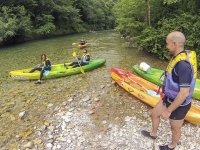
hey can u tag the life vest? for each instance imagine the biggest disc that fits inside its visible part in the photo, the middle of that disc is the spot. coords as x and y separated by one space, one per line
45 64
171 88
85 58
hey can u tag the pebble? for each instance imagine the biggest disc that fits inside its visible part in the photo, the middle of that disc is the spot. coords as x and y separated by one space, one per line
70 100
49 145
87 98
49 105
29 145
22 114
74 128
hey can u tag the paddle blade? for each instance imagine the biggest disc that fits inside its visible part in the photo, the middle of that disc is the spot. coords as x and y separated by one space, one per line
82 71
74 54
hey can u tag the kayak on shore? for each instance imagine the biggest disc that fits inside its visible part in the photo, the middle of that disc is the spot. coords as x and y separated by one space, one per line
153 75
148 92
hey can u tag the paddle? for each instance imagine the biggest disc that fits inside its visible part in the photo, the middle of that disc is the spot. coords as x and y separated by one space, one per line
74 55
150 92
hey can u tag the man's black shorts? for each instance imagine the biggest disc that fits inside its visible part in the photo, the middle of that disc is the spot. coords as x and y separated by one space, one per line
179 113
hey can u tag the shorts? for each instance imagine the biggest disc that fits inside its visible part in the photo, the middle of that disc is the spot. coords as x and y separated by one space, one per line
180 112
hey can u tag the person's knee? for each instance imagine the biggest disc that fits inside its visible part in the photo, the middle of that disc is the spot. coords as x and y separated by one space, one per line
154 114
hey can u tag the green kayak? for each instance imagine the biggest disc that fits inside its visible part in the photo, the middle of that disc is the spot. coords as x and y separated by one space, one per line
153 75
57 71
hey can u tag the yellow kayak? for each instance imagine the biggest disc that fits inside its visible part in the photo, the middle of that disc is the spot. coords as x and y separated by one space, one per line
147 92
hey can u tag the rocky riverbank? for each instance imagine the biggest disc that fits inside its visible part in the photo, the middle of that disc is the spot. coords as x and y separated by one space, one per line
100 117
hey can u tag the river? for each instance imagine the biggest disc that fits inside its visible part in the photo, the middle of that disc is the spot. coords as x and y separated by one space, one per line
113 104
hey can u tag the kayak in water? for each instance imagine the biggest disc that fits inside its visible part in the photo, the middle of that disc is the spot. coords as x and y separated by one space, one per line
57 71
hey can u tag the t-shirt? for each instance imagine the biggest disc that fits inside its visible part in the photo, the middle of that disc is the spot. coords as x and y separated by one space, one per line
182 73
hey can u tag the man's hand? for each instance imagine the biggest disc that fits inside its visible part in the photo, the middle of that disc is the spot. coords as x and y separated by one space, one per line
165 115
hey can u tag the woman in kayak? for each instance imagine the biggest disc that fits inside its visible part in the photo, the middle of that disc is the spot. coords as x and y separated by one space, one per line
44 67
84 60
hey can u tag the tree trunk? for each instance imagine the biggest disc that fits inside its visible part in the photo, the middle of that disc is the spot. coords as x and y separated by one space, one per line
149 12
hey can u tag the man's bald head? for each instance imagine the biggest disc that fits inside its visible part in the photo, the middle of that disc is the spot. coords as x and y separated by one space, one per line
177 37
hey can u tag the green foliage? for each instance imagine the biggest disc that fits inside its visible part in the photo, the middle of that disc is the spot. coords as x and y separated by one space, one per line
170 1
96 14
21 19
130 20
14 22
153 39
165 16
44 24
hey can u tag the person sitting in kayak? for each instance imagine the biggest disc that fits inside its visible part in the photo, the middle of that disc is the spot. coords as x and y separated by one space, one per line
83 42
84 60
44 67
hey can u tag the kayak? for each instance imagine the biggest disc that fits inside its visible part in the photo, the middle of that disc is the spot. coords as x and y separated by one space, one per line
147 92
57 71
153 75
82 46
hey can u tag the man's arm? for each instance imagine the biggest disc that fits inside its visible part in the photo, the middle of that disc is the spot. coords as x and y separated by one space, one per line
180 98
184 72
182 95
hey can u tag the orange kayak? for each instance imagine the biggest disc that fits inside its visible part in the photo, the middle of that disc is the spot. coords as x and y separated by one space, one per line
147 92
82 46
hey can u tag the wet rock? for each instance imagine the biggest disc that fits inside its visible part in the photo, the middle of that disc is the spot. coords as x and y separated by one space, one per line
71 109
104 122
47 123
64 103
70 99
49 145
113 146
87 98
91 112
12 117
29 145
70 126
127 118
96 99
22 115
102 86
50 105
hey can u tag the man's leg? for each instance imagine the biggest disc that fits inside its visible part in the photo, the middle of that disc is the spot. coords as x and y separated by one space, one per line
155 117
176 132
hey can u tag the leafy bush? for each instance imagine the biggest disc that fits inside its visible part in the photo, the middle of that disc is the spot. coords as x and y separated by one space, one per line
153 39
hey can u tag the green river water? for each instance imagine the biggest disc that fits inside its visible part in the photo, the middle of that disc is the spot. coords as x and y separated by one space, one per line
18 96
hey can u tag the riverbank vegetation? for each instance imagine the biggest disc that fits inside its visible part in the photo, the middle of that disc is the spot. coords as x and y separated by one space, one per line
23 20
147 22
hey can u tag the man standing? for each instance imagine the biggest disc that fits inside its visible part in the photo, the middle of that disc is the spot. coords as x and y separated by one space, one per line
178 87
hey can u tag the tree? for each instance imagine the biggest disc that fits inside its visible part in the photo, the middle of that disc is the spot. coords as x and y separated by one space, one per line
14 23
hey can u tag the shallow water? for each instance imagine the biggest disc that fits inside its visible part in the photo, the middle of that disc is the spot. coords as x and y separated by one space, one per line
25 96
